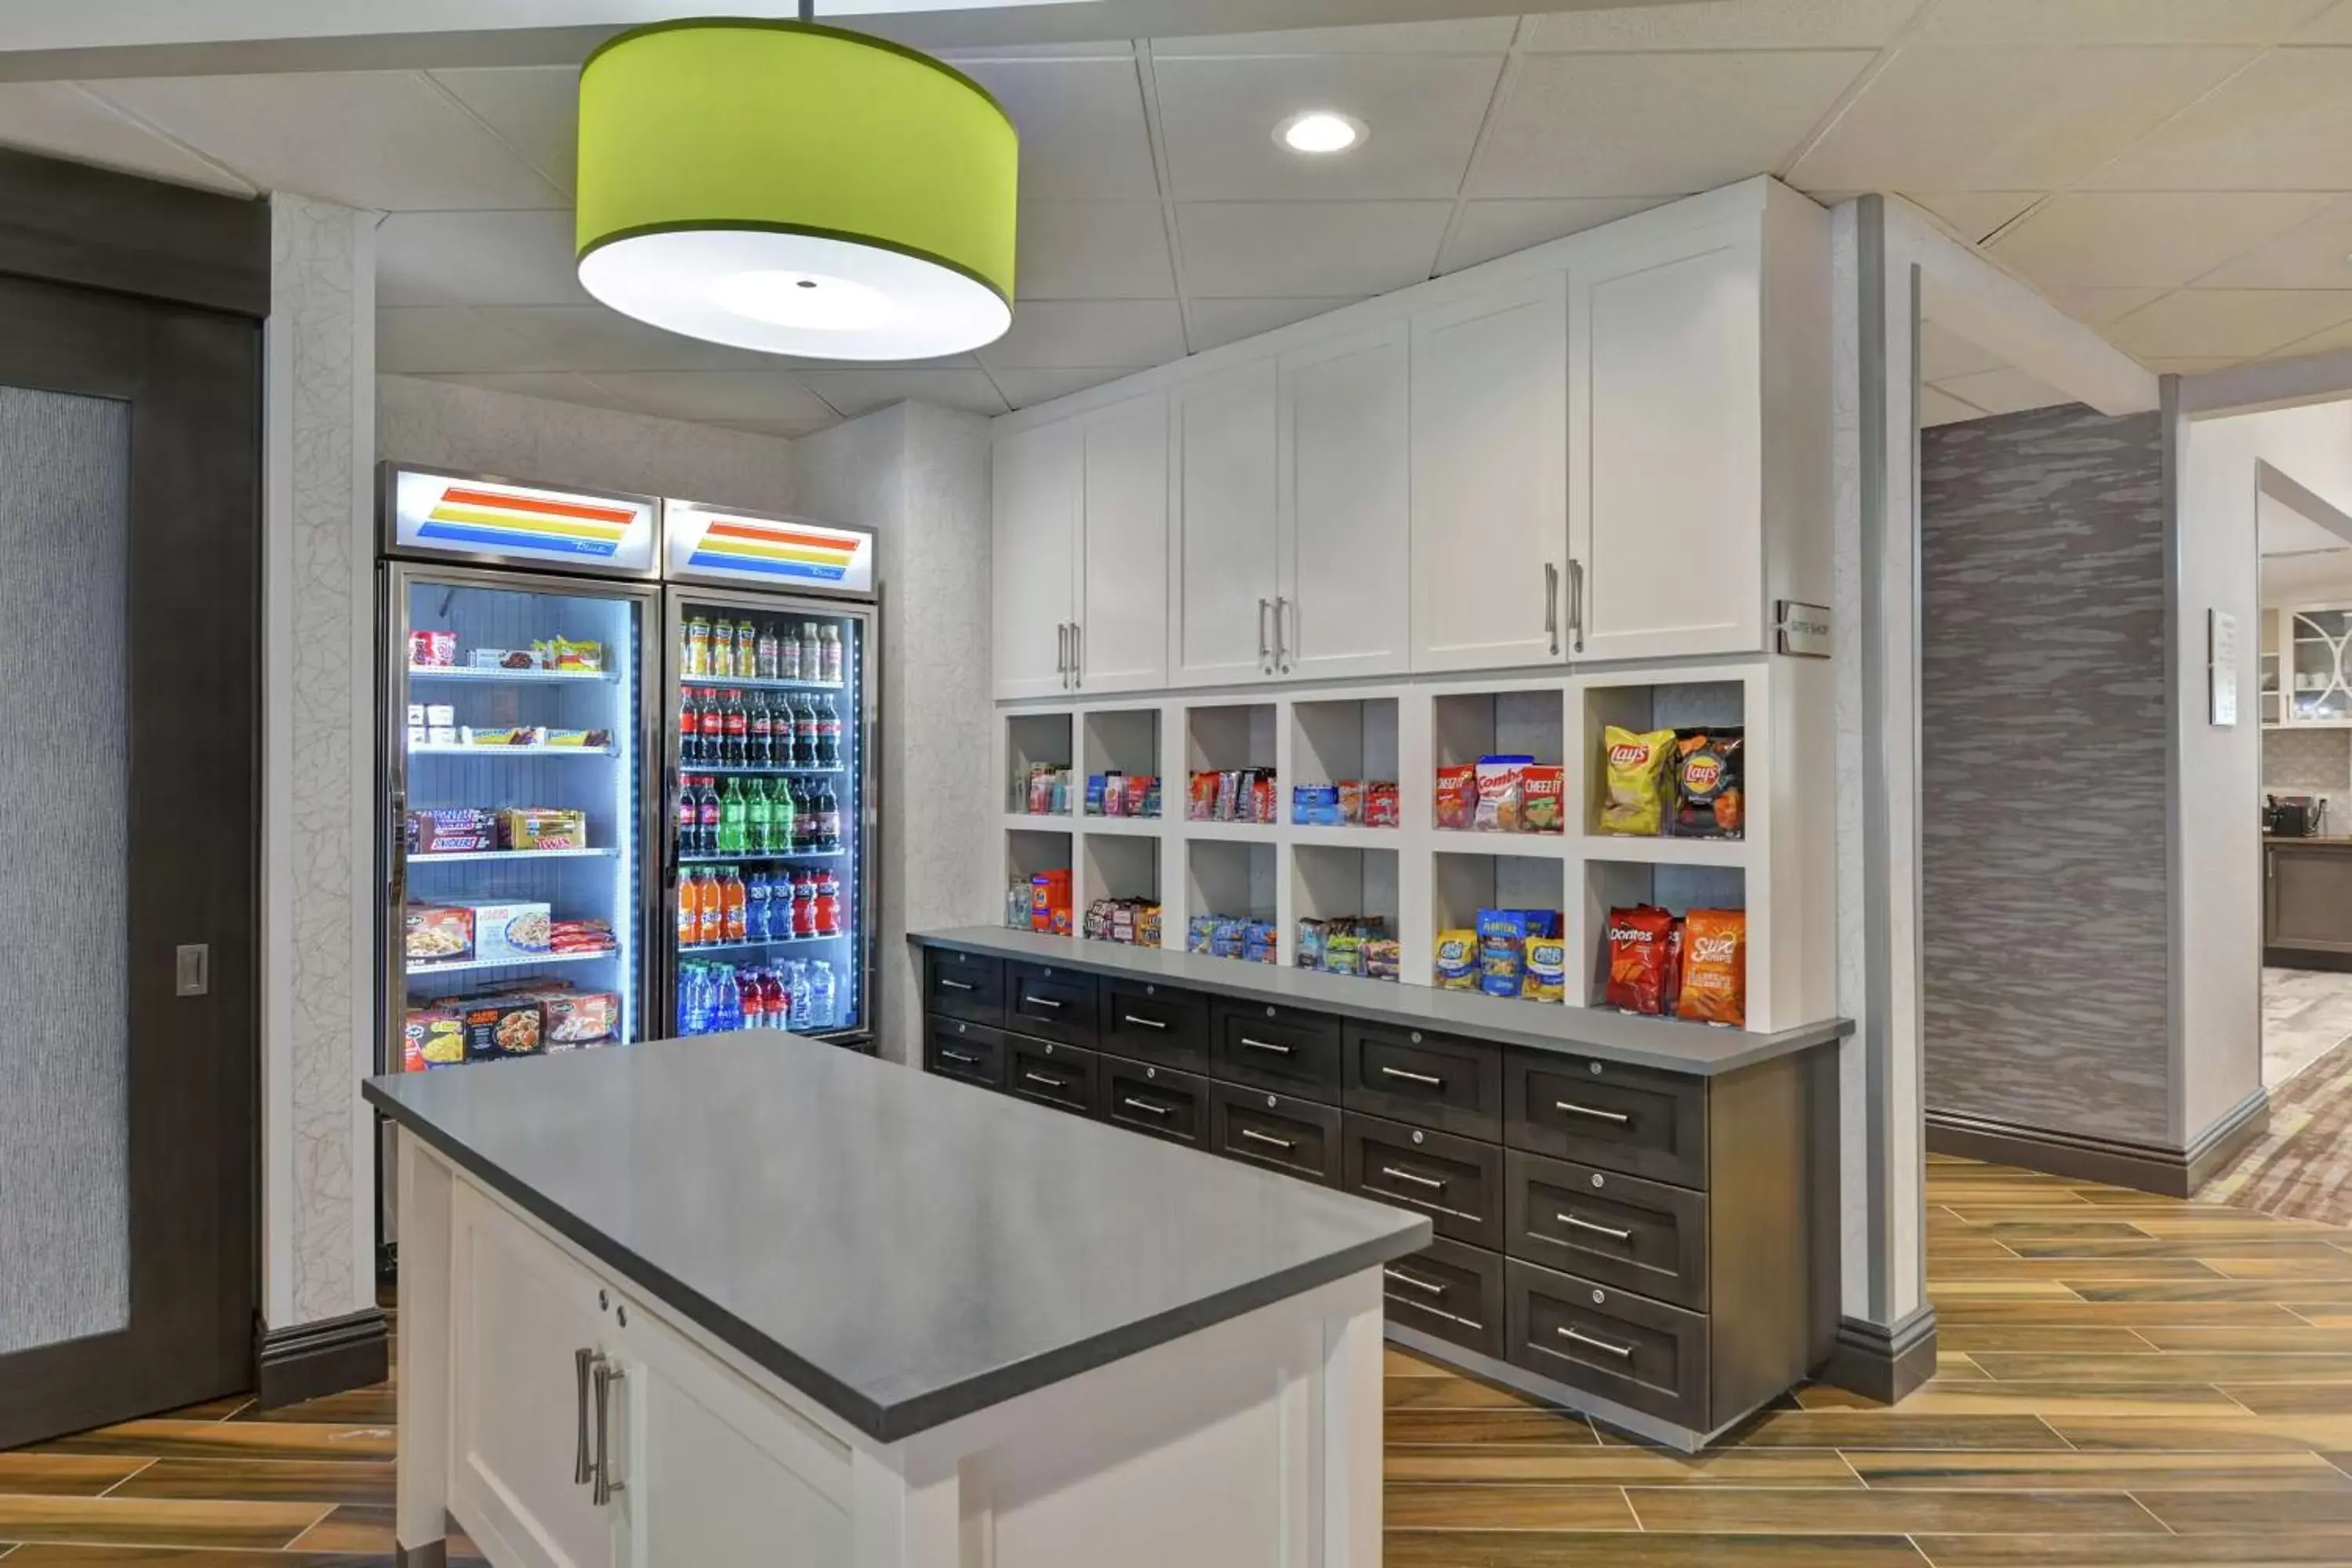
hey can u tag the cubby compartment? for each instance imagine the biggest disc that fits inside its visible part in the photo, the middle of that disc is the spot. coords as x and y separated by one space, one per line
1122 890
1031 853
1337 891
1678 889
1038 745
1123 741
1645 709
1462 883
1231 880
1466 726
1339 749
1237 740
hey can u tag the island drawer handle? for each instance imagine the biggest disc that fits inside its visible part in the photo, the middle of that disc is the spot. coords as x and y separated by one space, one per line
947 985
1255 1136
1280 1050
1610 1231
1619 1117
1623 1352
1028 1000
1048 1081
1431 1183
1142 1023
969 1061
1145 1105
607 1374
1418 1283
584 1469
1414 1076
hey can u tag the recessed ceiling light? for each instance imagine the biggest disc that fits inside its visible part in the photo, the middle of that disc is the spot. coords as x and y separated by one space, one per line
1320 132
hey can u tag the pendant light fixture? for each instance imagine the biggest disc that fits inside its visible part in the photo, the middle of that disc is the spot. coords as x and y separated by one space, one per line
795 188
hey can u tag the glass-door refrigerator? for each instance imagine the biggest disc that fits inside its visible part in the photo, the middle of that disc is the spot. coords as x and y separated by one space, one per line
768 774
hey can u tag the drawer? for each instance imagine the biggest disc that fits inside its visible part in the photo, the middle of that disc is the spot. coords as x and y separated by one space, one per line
1147 1097
1452 1291
964 984
1456 1182
1282 1049
1050 1001
1148 1022
1638 1120
1285 1133
973 1052
1619 1230
1051 1072
1429 1079
1644 1354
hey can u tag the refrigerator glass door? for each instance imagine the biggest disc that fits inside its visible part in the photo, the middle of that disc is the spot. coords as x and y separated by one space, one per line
518 734
769 874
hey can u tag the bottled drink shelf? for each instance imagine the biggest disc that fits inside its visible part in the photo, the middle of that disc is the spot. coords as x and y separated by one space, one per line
454 857
464 750
459 966
692 950
758 855
547 677
764 771
761 683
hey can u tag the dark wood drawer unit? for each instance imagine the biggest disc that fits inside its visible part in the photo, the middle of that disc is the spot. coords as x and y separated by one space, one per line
1051 1073
1155 1099
1615 1229
1280 1132
1644 1354
964 984
1429 1079
1453 1291
1456 1182
1051 1002
973 1052
1638 1120
1281 1050
1146 1021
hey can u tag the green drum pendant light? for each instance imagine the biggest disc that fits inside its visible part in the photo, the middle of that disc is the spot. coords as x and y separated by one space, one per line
794 188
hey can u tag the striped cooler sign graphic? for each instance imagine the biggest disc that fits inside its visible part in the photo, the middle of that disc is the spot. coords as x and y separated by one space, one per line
783 551
474 516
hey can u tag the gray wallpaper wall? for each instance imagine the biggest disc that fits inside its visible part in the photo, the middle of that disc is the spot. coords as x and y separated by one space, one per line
2307 762
2043 748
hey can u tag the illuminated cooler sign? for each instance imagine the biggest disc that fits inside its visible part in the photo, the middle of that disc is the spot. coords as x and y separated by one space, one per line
773 551
477 517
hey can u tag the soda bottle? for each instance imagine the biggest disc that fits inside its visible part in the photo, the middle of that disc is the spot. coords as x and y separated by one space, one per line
747 650
722 649
820 988
738 730
689 728
707 814
771 653
731 909
726 1002
795 840
788 653
689 818
832 660
755 1001
812 652
805 744
697 647
713 750
801 1013
828 904
759 903
828 733
710 922
828 818
772 1001
689 912
759 745
759 821
731 819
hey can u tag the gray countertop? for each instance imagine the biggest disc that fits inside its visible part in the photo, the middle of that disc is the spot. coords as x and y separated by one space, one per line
1668 1042
898 1248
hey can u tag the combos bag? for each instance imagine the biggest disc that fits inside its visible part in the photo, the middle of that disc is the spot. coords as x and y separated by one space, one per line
1714 967
1640 960
1709 802
1636 763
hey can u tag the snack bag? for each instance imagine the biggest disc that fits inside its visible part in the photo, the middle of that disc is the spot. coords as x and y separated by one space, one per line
1638 960
1352 802
1201 800
1499 796
1714 967
1457 961
1261 796
1381 808
1637 780
1457 795
1383 958
1344 954
1544 790
1709 802
1546 973
1503 936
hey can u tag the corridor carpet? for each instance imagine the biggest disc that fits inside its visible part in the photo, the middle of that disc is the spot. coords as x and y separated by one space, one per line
2301 1168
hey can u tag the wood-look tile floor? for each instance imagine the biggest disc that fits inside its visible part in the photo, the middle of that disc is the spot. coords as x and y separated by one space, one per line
2125 1380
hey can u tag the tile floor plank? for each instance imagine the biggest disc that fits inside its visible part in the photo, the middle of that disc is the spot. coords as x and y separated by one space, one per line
1895 1512
140 1522
2043 1471
262 1480
65 1474
1409 1506
1457 1548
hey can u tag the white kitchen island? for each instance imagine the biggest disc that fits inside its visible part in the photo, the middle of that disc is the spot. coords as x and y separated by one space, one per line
751 1300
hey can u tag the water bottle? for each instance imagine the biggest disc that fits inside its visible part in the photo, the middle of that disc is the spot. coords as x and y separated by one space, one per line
693 1001
802 1009
820 996
726 1006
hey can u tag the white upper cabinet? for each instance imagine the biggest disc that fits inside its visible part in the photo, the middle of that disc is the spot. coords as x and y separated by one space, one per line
1039 476
1121 616
1489 480
1345 605
1225 555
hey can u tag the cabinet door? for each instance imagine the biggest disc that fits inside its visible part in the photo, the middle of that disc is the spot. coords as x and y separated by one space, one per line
1038 479
1667 450
1490 478
1346 522
1226 551
1122 615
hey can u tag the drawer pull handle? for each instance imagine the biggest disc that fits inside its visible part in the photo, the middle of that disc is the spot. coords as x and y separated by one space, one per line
1280 1050
1623 1352
1049 1082
1431 1183
1430 1079
968 1060
1569 1106
1255 1136
583 1468
947 985
1415 1281
601 1490
1610 1231
1041 1002
1145 1105
1142 1023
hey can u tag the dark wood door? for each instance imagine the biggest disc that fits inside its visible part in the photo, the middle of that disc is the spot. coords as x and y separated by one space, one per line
130 574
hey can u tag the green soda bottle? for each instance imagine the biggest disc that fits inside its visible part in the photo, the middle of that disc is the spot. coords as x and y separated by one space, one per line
731 823
759 821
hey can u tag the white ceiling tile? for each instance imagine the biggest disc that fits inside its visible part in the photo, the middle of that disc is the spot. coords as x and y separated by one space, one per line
1491 229
2239 322
2005 119
556 386
724 396
2333 338
2003 391
2333 26
2163 366
1095 250
1937 407
1029 386
2103 240
855 392
1218 118
2284 123
1217 322
2100 307
2113 21
594 339
1081 123
1726 25
2316 254
66 120
1974 216
1246 250
1944 354
386 139
787 430
1655 124
1052 334
478 258
434 340
535 110
1484 35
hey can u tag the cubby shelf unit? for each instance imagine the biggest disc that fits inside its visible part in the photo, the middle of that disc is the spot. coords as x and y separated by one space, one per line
1782 870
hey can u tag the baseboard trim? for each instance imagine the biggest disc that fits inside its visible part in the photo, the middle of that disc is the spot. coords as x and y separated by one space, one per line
310 1360
1883 1361
2148 1167
432 1555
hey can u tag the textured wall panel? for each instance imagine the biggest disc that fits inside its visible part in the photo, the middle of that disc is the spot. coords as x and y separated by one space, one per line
2308 761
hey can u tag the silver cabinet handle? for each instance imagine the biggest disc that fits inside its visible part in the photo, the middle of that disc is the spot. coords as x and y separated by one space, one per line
1048 1081
1077 654
1265 648
1415 1281
1574 1108
1575 606
584 1469
1551 605
1041 1002
1255 1136
968 1061
1142 1023
1431 1183
1266 1045
1610 1231
1281 646
1062 650
1134 1103
1414 1076
606 1375
1623 1352
947 985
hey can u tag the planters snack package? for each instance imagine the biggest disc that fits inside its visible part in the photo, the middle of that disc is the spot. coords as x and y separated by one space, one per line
1709 802
1714 967
1457 961
1637 765
1503 938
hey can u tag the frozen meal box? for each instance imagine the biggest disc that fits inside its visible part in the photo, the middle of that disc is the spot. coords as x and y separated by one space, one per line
431 1038
511 931
503 735
502 1026
580 1018
505 658
589 739
442 735
582 657
542 827
438 933
452 830
432 651
440 715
